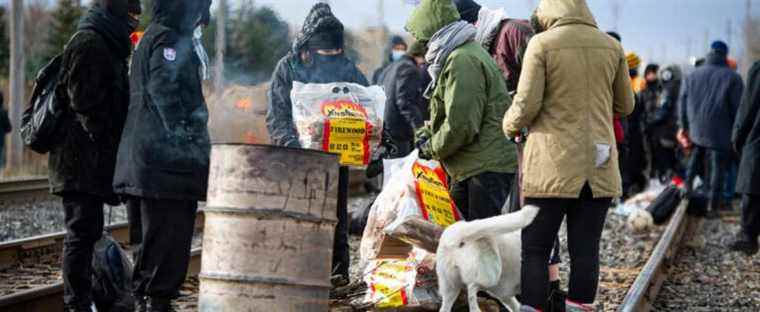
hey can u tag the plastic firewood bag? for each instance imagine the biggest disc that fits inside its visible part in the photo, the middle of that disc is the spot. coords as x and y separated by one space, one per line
413 188
403 283
341 118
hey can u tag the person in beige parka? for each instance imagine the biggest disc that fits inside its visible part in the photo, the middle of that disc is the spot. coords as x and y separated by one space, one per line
574 80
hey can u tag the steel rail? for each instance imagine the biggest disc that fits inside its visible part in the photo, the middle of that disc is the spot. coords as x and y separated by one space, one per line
50 297
642 294
24 189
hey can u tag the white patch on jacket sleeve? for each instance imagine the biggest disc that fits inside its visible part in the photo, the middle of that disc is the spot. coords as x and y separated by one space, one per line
170 54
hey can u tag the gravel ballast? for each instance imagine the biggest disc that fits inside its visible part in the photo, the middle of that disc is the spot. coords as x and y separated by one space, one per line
25 220
709 277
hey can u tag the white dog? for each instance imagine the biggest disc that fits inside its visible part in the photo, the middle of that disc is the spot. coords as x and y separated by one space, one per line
482 255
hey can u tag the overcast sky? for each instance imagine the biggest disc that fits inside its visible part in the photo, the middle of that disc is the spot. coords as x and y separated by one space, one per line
656 29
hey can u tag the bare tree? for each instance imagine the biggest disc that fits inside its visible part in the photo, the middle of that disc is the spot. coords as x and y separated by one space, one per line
17 79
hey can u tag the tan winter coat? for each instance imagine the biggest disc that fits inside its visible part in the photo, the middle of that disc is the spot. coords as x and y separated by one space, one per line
574 80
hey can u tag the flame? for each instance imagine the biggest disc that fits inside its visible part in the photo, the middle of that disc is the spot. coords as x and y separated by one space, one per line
244 104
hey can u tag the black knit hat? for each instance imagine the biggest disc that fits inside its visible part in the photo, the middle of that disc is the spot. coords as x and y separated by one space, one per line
651 68
321 30
468 10
615 35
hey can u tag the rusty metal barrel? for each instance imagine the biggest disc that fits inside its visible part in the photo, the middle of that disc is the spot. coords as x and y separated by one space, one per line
268 234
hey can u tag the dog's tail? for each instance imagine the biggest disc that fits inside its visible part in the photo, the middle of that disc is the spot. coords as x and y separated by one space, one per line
503 224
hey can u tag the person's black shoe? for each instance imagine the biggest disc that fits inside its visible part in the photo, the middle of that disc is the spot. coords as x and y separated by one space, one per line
746 246
557 299
141 304
339 280
84 307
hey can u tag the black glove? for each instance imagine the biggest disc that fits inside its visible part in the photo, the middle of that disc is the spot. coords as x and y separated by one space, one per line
374 169
425 152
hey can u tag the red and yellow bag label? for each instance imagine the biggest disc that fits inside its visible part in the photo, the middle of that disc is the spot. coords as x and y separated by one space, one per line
347 132
433 195
388 283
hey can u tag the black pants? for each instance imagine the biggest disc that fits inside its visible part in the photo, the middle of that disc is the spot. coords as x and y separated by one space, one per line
164 256
711 165
634 164
585 222
516 203
482 196
341 257
664 161
134 217
83 214
751 217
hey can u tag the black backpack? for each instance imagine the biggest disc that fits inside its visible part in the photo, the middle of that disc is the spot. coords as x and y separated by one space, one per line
665 204
42 121
111 277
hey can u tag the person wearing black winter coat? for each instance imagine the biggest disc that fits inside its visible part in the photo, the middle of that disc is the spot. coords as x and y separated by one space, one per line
662 124
658 103
81 166
709 102
746 141
404 105
163 158
317 56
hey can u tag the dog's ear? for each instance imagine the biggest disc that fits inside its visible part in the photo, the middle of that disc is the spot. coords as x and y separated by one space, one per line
480 259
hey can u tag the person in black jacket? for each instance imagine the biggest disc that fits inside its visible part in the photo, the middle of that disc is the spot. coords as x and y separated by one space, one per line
395 50
746 141
81 167
5 128
317 56
404 105
661 122
709 102
163 158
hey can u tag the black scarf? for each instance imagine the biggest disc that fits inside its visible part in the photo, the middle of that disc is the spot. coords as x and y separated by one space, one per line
115 30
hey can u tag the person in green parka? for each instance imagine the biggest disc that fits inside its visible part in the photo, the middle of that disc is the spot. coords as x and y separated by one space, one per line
468 99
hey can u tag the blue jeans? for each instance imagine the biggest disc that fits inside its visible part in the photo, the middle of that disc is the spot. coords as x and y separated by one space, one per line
711 165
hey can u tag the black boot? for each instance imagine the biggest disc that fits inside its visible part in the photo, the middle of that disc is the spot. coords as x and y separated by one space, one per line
78 307
557 298
141 304
160 305
747 246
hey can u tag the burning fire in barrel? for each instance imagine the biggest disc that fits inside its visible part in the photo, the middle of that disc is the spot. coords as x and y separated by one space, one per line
268 236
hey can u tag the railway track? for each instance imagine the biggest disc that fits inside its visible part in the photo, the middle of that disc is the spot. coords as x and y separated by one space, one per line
30 270
24 190
642 294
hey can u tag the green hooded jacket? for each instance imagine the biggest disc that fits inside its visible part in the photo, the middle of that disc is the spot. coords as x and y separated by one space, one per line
468 104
